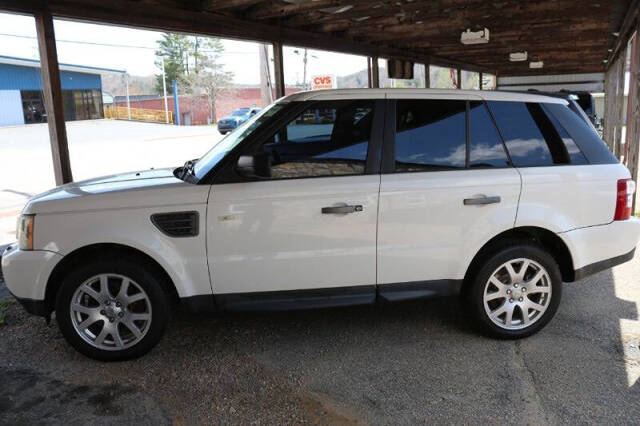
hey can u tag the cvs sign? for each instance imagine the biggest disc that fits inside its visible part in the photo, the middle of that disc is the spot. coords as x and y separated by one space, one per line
323 82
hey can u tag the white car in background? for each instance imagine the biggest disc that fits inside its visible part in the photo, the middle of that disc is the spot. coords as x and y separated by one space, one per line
334 198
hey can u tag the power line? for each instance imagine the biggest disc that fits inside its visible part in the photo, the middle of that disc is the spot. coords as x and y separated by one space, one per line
129 46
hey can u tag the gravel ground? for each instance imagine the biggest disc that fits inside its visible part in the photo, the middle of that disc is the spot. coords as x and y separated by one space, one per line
398 364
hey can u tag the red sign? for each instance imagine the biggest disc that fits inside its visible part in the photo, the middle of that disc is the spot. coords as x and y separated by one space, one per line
322 82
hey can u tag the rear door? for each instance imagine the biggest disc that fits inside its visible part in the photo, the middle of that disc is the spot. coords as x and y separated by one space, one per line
567 183
447 187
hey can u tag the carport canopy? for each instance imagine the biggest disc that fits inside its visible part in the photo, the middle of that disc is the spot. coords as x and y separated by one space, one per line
568 36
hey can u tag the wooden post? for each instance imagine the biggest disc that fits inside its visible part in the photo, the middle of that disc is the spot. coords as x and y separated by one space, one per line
459 77
369 82
52 89
375 72
278 66
480 80
633 121
427 76
619 108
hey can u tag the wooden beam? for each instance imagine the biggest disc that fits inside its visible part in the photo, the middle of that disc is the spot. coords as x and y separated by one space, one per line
278 66
52 89
168 18
427 76
625 31
375 72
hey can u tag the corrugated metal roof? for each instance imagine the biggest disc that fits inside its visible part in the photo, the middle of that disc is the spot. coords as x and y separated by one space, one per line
26 62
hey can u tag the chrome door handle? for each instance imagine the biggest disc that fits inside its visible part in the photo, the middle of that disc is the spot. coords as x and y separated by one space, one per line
478 201
341 209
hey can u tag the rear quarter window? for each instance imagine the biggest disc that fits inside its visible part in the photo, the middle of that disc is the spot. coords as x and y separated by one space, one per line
587 140
522 136
534 136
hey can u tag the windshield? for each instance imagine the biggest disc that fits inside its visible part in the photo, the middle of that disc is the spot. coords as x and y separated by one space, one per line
240 112
217 153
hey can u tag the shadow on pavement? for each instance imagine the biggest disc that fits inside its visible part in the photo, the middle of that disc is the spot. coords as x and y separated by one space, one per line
402 364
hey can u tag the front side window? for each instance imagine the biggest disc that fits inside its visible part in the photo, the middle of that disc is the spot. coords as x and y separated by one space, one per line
218 152
430 135
330 138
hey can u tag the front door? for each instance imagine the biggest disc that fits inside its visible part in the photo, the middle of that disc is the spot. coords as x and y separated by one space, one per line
304 232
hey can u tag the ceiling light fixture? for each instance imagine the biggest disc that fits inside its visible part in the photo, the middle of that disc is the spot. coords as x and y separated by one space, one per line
518 56
474 37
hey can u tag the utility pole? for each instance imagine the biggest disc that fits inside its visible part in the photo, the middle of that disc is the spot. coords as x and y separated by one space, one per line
304 70
126 82
266 92
164 88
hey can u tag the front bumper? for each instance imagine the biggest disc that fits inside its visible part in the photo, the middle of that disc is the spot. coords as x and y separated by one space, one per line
26 274
226 127
596 248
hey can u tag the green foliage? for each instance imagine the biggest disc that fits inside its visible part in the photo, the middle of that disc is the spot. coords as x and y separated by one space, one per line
175 49
195 63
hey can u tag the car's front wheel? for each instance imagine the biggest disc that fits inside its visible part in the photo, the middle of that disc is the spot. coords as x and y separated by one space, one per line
516 292
112 310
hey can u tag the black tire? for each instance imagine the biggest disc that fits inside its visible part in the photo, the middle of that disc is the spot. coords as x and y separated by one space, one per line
474 296
144 278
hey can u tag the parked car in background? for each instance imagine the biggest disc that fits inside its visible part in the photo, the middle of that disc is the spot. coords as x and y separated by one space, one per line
237 117
335 198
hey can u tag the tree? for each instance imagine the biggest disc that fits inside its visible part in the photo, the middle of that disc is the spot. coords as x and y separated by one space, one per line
175 49
207 77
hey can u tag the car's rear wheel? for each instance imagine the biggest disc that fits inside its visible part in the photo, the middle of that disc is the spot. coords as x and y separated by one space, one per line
112 310
516 292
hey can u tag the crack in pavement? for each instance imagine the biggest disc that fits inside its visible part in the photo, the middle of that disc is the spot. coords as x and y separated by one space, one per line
533 409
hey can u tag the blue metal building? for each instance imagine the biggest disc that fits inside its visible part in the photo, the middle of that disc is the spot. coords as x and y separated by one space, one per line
21 99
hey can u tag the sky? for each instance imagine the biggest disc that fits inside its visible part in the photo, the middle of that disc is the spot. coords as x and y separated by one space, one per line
134 50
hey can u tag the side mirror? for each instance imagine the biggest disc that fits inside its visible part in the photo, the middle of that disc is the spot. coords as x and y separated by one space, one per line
254 166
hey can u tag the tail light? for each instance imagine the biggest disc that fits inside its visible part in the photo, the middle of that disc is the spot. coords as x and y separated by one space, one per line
624 199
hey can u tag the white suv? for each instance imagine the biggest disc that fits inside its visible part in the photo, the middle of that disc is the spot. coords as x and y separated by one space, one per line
334 198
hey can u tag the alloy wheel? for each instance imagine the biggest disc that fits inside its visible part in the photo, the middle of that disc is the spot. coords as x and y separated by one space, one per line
517 294
110 312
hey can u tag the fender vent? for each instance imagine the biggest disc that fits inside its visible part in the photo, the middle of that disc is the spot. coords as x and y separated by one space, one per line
178 224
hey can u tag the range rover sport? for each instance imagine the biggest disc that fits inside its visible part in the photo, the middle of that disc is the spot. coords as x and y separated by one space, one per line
335 198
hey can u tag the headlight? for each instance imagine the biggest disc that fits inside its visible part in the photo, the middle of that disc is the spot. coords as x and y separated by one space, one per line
25 232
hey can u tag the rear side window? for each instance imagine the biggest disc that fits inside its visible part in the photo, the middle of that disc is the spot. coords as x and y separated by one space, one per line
575 155
533 137
485 147
583 135
430 135
522 136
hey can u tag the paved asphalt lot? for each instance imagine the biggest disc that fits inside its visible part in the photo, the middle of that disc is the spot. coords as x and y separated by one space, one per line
409 363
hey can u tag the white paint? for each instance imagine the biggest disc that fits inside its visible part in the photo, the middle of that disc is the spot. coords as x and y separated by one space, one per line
11 113
265 236
427 233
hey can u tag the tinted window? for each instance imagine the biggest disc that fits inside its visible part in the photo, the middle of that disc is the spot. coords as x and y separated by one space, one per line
593 148
485 147
327 139
430 135
575 155
524 140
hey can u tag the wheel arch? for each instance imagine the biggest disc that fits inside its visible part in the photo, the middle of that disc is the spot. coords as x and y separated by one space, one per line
545 238
81 254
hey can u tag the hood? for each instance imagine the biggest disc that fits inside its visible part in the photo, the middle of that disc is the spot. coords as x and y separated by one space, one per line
127 190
